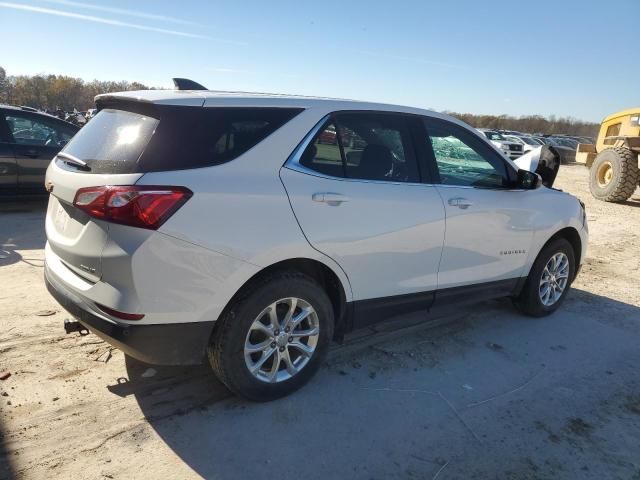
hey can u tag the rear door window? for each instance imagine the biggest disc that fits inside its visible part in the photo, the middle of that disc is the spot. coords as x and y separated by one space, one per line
377 147
364 146
162 138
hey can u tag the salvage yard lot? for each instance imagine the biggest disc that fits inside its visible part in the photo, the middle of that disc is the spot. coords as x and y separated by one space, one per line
477 393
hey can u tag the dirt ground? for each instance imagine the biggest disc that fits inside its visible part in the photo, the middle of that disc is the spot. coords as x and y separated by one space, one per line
482 393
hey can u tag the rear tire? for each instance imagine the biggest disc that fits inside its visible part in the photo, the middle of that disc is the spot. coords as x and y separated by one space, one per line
532 300
238 333
614 174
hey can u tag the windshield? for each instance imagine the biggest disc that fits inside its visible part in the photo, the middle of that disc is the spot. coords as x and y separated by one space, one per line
494 136
566 142
552 141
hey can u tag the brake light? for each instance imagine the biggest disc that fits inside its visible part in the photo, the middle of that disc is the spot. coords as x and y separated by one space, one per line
140 206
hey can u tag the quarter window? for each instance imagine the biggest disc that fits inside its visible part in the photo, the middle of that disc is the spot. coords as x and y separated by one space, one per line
365 146
463 159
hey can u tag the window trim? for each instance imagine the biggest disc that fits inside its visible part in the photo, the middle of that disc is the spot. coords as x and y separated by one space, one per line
343 155
435 172
293 161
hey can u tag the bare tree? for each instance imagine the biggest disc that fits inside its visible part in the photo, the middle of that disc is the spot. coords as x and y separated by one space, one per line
530 124
57 91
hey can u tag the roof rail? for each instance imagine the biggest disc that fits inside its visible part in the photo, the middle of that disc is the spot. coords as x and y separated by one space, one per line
186 84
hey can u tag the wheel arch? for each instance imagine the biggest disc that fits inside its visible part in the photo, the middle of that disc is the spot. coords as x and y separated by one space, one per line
324 275
573 237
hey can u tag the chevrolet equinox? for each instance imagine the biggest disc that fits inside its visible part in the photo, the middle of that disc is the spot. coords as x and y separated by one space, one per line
253 229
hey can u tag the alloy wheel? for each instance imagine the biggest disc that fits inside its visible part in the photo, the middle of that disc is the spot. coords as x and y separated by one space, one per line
281 340
554 279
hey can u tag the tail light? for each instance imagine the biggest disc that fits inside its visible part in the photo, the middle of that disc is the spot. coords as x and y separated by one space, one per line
140 206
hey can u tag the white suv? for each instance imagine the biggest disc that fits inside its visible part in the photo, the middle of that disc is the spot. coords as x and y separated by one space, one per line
510 148
257 228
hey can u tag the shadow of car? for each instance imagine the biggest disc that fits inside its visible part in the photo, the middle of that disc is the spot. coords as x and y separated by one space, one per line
419 399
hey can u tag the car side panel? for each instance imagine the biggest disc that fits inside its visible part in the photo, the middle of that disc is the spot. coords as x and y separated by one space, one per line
8 170
388 236
241 209
249 221
32 162
555 210
488 240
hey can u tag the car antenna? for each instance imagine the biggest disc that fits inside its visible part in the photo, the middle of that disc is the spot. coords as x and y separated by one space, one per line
186 84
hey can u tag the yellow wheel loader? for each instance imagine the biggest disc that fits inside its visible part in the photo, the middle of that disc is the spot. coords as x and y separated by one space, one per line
614 172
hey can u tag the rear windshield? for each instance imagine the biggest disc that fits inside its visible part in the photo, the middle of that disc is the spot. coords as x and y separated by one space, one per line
113 140
153 138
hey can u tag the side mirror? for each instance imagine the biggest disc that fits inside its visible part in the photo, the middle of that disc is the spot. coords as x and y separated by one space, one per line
528 180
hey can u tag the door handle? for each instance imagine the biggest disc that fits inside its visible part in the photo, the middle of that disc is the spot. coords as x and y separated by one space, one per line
460 202
329 198
32 153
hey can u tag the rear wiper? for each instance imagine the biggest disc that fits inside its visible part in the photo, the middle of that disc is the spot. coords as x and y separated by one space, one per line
75 161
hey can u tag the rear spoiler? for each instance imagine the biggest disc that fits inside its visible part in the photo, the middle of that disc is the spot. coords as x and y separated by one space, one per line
137 105
150 97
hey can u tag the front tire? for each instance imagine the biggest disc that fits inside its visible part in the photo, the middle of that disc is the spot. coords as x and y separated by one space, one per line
614 174
274 338
549 279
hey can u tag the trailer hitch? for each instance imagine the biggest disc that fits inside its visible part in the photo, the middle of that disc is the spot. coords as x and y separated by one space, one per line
71 326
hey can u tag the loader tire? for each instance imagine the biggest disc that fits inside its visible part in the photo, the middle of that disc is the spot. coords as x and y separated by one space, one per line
614 174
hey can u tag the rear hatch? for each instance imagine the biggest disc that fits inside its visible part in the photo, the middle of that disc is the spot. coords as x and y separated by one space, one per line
105 152
128 138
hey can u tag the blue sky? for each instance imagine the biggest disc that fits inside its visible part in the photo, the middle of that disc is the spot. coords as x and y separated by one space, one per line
559 57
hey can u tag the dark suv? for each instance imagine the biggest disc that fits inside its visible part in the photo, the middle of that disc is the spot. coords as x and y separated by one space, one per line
28 142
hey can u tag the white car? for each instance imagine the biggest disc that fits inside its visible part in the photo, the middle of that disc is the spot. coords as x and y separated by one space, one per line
256 228
528 143
510 149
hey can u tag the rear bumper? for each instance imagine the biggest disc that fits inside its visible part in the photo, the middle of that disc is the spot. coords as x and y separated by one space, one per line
158 344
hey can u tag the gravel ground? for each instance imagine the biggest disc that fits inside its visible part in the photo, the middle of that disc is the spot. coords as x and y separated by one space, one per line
479 393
